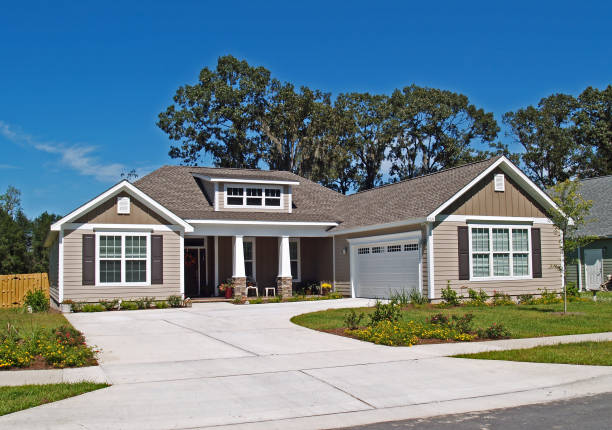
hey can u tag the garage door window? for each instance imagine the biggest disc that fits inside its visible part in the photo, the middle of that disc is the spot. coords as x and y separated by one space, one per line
362 251
394 248
411 247
378 249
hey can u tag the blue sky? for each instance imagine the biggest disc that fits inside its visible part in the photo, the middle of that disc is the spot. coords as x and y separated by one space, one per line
81 83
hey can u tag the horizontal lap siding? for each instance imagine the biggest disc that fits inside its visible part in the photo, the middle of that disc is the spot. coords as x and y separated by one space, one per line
76 291
54 270
447 264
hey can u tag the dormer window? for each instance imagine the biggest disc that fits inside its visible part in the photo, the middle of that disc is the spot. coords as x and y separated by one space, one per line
253 196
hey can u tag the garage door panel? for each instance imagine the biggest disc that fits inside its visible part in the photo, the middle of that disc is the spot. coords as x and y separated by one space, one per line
377 275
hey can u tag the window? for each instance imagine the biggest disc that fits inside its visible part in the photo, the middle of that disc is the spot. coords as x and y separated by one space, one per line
499 252
248 245
253 196
411 247
363 250
378 249
122 259
394 248
294 257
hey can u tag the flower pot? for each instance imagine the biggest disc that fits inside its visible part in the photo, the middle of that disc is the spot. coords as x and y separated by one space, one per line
65 308
229 292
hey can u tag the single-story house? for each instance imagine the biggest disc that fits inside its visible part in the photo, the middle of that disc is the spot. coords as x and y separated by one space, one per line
183 230
593 263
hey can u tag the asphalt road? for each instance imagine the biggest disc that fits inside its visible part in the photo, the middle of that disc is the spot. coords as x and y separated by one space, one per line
585 413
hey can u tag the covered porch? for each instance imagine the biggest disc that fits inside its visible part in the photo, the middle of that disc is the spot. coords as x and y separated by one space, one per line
281 262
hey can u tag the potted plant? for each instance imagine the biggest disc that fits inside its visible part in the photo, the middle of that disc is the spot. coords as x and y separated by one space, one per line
325 288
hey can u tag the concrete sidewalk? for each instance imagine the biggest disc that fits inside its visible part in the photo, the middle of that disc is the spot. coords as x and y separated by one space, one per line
250 367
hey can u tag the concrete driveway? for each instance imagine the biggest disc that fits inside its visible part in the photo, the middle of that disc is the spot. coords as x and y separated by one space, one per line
250 367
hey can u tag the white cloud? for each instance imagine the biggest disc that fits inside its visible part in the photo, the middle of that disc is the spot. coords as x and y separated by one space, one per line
80 158
7 166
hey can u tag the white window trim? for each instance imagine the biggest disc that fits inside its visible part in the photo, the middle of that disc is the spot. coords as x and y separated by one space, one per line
123 283
254 259
511 252
298 277
244 196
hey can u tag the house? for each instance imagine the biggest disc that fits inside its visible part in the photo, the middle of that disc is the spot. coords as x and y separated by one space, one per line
594 262
184 230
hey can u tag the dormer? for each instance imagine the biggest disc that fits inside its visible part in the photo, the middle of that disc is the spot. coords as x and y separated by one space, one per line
248 194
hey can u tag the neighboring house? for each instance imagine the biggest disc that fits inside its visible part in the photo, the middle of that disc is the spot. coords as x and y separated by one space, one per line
183 230
594 262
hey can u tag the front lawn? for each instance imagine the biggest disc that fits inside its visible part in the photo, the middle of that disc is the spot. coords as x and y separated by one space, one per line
586 353
41 340
521 321
13 399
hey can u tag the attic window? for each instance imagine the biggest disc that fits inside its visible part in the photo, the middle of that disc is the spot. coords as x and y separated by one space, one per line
123 205
253 196
500 182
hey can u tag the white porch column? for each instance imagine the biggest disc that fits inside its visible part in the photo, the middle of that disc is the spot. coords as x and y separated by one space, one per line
238 258
284 258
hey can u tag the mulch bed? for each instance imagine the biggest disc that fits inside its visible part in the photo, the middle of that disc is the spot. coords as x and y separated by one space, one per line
39 363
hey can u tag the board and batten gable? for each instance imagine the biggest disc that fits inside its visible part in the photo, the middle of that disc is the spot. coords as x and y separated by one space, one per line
342 278
106 214
483 201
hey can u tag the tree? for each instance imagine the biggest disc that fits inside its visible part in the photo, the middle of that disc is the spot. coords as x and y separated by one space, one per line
130 175
368 134
218 115
10 201
574 210
40 226
593 132
436 129
14 238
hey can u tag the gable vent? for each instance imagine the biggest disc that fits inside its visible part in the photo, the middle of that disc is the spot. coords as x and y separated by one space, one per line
123 205
500 182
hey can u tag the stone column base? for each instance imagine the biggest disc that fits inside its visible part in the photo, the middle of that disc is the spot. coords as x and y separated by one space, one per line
284 286
239 287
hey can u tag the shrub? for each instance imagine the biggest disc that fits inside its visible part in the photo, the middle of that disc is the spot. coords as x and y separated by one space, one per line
462 324
256 301
449 296
129 306
275 299
37 300
548 297
438 319
416 298
400 298
161 304
77 306
109 305
406 333
352 320
93 307
140 303
477 298
494 331
526 299
501 299
335 295
69 336
572 290
385 312
175 301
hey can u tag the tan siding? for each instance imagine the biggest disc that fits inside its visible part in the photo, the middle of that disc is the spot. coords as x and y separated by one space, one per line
343 270
284 208
483 200
447 264
106 213
75 290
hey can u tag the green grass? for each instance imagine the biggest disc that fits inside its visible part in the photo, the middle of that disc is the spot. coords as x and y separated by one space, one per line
589 353
24 320
522 321
13 399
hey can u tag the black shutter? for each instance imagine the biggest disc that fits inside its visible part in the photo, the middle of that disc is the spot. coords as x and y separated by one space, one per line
157 259
464 252
536 253
89 259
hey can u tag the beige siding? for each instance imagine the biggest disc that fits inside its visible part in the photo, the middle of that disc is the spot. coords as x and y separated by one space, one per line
106 213
446 264
284 208
483 200
343 270
75 290
54 270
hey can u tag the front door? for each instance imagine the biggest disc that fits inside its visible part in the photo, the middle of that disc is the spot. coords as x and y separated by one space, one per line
593 268
192 275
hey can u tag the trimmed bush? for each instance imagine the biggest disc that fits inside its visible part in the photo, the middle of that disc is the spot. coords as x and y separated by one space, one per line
175 301
93 307
109 305
161 304
128 306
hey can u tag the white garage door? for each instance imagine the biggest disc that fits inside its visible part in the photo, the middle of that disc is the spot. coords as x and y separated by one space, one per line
384 268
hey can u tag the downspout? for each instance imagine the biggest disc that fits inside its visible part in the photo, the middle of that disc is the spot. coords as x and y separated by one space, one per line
430 262
579 268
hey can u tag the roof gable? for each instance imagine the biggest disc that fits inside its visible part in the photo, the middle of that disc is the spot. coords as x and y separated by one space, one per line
599 190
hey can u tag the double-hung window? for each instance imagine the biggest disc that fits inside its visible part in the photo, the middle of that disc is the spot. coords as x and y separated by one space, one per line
248 246
253 196
123 259
294 257
500 252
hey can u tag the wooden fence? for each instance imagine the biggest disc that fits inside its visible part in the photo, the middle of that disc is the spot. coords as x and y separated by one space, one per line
14 287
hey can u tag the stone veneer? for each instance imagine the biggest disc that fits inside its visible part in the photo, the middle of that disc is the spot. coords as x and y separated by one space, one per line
284 286
239 287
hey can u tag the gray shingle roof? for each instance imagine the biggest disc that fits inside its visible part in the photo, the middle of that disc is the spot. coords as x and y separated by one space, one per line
177 189
599 190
